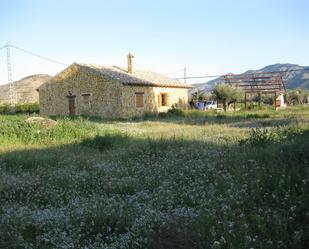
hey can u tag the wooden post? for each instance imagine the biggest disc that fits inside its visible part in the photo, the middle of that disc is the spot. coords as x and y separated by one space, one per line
259 99
275 101
245 100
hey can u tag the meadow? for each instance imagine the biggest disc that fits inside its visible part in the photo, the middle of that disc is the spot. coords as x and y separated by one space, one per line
185 179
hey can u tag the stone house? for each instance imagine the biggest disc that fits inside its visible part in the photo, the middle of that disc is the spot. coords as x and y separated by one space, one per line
109 92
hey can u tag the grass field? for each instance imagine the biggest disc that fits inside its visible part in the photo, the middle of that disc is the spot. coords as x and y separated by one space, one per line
182 180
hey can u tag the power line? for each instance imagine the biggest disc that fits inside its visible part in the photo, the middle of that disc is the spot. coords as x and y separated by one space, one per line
4 46
216 76
178 78
180 70
11 83
199 77
37 55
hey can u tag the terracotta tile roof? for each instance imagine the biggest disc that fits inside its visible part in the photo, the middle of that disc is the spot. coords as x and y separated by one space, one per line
138 77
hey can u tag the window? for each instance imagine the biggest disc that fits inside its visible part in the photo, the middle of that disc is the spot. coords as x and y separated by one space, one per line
163 99
139 100
86 99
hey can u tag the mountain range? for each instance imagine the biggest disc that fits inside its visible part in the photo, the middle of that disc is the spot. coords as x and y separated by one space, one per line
25 89
294 79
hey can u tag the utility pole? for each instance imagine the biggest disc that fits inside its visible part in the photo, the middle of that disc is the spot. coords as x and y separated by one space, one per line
10 81
185 74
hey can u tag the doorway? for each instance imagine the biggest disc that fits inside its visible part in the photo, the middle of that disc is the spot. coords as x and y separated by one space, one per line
72 109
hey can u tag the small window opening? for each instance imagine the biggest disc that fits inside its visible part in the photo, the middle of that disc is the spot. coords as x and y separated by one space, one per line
163 99
86 99
139 100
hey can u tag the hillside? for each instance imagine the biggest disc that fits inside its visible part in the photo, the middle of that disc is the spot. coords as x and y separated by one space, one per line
25 89
295 79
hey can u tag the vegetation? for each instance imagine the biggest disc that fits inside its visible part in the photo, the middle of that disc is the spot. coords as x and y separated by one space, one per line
186 179
227 94
198 95
298 96
20 108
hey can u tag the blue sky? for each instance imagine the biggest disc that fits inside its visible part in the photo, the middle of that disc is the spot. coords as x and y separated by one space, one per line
208 37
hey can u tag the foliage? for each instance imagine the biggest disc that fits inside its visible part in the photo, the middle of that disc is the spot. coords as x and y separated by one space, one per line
263 98
264 136
298 96
227 94
177 112
258 115
198 95
103 142
20 108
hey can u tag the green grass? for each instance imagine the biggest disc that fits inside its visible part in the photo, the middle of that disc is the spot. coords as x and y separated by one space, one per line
181 180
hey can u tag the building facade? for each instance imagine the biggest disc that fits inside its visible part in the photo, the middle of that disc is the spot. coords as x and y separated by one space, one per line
109 92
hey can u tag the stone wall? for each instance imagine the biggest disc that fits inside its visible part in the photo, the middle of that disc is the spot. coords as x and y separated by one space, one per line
104 99
129 101
177 96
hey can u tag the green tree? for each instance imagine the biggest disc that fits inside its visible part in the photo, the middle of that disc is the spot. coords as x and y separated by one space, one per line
198 95
294 97
227 94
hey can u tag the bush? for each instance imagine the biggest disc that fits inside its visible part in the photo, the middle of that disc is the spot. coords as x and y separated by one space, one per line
103 142
4 108
298 96
27 108
20 108
177 112
264 136
257 115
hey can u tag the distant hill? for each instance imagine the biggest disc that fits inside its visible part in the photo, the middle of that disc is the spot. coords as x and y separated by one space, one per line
25 89
295 79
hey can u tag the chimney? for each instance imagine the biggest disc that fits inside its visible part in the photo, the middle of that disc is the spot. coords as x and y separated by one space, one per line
130 65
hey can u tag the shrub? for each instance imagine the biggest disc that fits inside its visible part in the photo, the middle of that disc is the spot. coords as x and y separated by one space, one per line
20 108
4 108
298 96
221 116
149 115
264 136
177 112
103 142
257 115
162 114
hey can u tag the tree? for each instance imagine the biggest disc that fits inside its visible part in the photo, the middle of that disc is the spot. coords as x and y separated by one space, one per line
227 94
298 96
198 95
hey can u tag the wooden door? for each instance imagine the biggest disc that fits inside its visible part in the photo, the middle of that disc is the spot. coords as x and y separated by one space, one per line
72 109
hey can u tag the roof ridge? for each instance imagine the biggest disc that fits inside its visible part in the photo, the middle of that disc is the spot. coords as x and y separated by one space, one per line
138 77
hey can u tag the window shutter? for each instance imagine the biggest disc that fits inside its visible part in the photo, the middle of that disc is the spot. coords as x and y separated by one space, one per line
168 100
159 100
139 100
